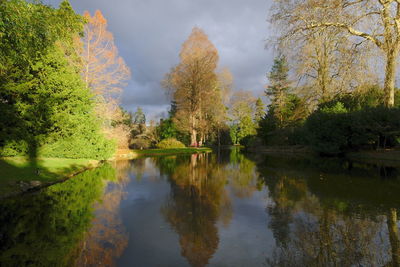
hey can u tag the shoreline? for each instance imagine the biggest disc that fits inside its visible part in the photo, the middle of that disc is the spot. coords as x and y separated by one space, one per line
127 154
21 178
368 156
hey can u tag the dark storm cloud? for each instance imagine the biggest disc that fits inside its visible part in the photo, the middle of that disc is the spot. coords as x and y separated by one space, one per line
149 34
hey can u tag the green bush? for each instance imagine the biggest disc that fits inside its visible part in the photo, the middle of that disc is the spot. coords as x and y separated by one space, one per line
170 143
90 147
328 129
251 141
334 130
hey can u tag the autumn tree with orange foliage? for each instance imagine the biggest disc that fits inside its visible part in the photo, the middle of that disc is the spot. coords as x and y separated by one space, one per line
105 73
195 87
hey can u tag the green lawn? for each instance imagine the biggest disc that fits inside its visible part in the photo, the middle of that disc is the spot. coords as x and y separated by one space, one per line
44 170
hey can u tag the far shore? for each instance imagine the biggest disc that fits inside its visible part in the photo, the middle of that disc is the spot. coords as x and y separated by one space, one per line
368 156
135 153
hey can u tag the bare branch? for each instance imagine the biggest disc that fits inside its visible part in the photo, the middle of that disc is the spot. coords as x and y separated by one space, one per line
351 30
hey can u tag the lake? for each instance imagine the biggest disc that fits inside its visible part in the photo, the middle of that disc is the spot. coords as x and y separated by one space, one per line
219 209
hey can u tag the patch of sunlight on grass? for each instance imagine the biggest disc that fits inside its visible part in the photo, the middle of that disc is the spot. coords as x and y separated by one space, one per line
17 169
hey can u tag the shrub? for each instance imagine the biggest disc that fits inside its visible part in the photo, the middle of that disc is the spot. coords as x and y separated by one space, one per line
333 130
251 141
328 129
170 143
91 147
140 143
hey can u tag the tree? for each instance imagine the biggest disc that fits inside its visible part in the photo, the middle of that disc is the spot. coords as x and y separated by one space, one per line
105 73
260 110
286 110
166 129
193 85
376 22
139 123
279 87
139 117
45 107
325 62
241 116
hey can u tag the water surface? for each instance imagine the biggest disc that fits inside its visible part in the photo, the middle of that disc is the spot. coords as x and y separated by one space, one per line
218 209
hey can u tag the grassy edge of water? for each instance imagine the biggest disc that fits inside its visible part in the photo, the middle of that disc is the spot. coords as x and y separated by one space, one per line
134 153
19 175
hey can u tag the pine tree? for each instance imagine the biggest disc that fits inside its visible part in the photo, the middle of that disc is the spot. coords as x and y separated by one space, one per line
279 88
139 117
260 110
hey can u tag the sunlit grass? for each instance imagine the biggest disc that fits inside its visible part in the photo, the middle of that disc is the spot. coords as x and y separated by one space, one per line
44 170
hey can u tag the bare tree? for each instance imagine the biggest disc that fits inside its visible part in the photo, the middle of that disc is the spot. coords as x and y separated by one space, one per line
105 74
325 60
376 22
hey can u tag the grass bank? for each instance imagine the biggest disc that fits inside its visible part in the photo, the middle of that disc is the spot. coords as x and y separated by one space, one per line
19 174
134 153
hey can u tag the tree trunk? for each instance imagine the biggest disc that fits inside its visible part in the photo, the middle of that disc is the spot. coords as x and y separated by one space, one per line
219 138
193 132
87 65
193 138
390 76
201 140
394 237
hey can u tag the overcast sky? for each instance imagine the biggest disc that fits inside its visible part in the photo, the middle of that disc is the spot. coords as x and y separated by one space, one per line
149 35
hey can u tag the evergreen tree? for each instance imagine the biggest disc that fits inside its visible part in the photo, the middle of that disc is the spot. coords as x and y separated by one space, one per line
279 87
139 117
260 110
44 104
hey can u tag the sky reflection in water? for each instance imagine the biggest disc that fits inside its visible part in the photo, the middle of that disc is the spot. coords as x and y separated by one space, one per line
225 209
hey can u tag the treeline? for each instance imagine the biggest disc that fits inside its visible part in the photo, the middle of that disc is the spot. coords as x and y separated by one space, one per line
332 86
60 75
343 122
204 109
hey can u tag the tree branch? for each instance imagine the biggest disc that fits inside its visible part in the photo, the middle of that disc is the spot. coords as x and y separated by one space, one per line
351 30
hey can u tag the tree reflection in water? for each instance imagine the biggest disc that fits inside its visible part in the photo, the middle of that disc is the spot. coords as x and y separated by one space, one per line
320 212
107 239
42 229
243 176
324 217
199 198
